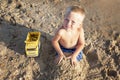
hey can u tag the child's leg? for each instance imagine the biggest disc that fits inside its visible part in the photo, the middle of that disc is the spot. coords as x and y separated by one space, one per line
67 54
79 57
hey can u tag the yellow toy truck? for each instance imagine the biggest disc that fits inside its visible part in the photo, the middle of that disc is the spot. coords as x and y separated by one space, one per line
32 44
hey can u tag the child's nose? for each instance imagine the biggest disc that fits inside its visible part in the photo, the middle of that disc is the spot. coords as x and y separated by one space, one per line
69 23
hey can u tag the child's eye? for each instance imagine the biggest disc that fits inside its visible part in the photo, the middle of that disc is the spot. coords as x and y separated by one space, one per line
66 20
73 22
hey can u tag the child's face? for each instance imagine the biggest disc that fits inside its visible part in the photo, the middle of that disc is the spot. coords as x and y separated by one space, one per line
73 21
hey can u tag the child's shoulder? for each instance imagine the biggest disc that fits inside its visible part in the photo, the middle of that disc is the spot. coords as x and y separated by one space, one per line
81 29
61 31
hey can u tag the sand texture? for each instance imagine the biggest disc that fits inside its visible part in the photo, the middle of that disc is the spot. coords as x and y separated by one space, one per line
101 59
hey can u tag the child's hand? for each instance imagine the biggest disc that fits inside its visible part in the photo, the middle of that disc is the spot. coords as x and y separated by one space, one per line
73 59
60 58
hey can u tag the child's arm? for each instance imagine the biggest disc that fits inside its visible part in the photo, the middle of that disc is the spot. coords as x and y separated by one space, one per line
79 47
56 45
81 42
55 42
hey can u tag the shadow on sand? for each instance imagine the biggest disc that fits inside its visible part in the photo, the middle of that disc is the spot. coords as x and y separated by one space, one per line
13 36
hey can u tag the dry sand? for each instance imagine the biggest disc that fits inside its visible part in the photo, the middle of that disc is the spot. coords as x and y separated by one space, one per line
102 34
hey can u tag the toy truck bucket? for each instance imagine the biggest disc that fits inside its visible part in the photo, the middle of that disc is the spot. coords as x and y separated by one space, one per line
32 44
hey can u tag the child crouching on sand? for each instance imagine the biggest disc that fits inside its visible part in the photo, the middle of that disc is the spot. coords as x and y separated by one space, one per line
69 39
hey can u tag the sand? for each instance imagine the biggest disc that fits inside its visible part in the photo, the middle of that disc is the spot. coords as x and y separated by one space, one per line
101 59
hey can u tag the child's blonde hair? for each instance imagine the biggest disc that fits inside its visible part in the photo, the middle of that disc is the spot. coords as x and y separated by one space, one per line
76 9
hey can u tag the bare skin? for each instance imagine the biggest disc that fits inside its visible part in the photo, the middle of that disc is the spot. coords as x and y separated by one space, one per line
70 35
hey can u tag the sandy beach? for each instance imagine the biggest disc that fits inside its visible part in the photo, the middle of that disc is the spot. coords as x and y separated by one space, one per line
101 59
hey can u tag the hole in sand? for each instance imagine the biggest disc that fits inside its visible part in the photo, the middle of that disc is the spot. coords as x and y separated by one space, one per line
112 73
